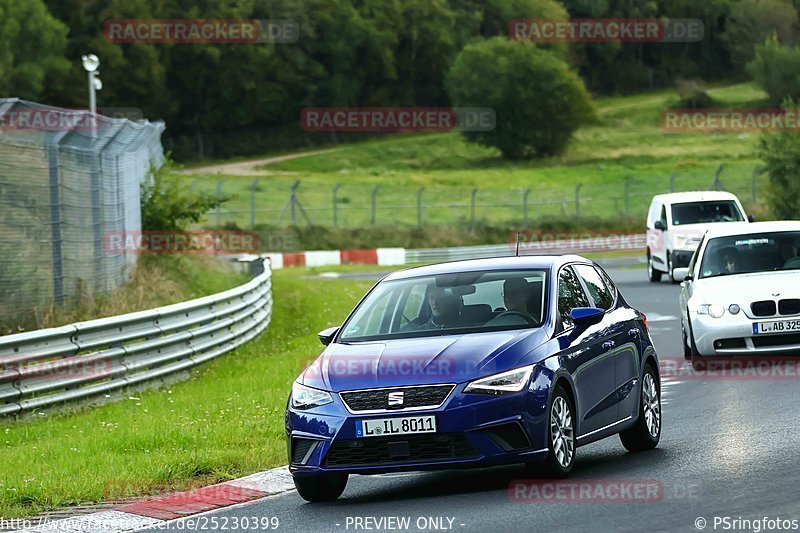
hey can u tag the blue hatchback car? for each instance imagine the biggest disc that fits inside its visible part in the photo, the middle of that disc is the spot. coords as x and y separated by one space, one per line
474 363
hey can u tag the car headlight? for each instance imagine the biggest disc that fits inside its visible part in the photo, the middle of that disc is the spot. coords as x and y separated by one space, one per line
712 310
305 397
509 381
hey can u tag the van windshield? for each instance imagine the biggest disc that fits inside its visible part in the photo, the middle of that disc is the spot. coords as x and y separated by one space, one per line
704 212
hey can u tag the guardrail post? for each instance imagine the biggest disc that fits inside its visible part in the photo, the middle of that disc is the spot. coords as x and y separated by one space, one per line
374 216
672 182
219 201
335 205
253 188
578 201
628 199
419 207
525 207
472 209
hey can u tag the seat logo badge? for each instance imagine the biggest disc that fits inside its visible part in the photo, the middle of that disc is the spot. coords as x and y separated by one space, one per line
396 398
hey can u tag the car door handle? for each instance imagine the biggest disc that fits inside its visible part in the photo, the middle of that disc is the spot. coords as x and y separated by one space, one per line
633 332
608 344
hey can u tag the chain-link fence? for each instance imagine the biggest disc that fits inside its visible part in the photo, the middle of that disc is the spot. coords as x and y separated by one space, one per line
66 180
623 200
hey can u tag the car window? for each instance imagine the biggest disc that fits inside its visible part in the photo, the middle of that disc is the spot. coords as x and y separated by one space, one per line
705 212
570 295
462 302
594 284
757 252
664 215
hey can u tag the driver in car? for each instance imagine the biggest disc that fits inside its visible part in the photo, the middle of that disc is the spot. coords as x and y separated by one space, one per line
516 294
445 309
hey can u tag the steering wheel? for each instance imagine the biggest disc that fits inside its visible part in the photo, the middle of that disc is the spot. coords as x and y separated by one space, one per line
528 318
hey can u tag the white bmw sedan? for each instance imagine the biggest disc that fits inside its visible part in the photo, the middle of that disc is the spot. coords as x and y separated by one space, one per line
741 291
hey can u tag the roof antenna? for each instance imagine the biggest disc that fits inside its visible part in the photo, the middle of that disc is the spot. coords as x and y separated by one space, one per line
519 237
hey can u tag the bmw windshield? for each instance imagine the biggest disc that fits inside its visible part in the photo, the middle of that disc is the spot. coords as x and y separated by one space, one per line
450 303
744 254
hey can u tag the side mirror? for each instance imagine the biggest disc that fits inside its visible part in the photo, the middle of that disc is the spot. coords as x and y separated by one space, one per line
660 225
583 317
327 335
751 218
681 274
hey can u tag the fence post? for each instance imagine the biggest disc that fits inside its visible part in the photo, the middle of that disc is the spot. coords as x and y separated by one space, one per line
628 199
716 183
419 207
472 209
756 172
219 200
374 204
578 201
55 224
525 207
335 205
672 182
253 188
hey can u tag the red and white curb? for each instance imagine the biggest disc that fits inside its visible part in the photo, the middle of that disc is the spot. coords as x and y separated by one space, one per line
159 511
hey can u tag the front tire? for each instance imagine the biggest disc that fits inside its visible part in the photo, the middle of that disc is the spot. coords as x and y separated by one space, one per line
560 435
646 433
324 488
652 273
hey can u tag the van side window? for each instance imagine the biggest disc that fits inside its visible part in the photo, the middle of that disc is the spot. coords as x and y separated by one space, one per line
664 215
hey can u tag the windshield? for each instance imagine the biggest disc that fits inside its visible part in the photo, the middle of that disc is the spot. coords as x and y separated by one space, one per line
741 254
704 212
450 303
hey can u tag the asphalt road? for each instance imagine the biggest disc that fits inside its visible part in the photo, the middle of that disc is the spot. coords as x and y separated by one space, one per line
728 449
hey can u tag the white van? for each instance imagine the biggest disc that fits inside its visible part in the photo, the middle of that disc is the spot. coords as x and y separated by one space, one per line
676 223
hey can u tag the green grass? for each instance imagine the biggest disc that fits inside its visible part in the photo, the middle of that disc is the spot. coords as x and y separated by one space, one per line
626 142
224 422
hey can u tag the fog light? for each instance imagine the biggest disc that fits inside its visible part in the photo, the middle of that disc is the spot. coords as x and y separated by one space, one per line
733 309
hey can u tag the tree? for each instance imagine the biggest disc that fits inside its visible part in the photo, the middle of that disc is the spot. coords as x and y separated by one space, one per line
752 21
538 101
776 69
32 47
780 152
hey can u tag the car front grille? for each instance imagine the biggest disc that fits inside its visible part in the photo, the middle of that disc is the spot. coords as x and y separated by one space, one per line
412 397
789 306
776 341
376 451
763 308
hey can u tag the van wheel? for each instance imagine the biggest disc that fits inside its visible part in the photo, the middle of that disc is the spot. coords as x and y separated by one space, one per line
652 273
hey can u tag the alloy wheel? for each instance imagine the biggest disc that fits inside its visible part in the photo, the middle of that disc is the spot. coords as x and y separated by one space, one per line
561 431
651 404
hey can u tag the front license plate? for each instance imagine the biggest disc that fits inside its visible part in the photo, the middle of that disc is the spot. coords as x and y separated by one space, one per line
381 427
783 326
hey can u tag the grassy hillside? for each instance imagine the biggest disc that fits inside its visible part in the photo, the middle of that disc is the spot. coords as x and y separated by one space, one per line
626 142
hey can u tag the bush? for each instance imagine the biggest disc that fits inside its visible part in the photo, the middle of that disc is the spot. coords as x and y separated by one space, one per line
780 152
776 69
693 95
168 203
538 101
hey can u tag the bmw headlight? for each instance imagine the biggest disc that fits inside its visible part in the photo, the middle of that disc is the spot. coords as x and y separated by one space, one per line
305 397
505 382
712 310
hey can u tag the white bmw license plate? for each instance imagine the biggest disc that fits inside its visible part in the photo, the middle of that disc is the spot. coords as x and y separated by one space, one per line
782 326
381 427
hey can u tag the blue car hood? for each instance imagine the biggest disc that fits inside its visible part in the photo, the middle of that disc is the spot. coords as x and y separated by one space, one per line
421 360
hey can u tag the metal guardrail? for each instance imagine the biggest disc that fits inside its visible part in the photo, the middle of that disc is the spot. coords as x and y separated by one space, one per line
49 366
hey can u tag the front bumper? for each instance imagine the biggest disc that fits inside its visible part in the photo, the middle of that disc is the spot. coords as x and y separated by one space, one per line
732 335
472 430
